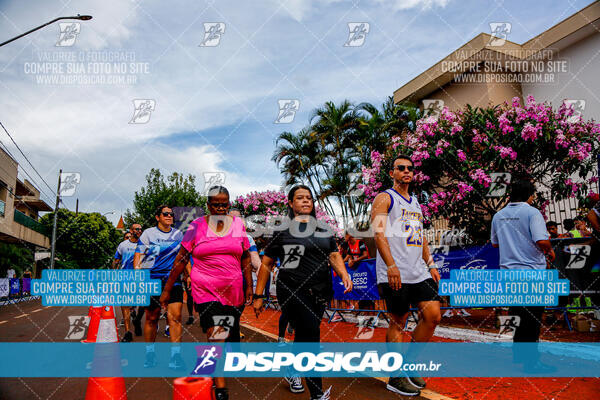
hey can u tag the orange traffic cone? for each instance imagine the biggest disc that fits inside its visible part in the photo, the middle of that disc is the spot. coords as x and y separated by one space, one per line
94 315
190 388
106 389
107 327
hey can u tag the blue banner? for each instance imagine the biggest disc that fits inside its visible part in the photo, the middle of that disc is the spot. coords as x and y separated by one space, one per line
364 281
472 257
566 359
14 286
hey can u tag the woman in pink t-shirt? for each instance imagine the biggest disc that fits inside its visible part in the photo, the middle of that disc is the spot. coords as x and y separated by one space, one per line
218 246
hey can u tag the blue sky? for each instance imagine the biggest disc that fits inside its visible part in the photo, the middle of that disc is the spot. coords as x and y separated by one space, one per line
215 106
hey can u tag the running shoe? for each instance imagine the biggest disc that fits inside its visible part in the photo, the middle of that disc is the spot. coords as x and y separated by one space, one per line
221 394
137 327
150 360
295 383
402 386
190 321
325 396
464 313
417 381
176 362
127 337
167 333
448 314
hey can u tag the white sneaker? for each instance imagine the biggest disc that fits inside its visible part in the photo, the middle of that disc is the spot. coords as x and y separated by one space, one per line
462 312
448 314
295 383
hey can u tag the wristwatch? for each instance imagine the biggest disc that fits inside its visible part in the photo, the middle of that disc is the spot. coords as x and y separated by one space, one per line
258 296
432 266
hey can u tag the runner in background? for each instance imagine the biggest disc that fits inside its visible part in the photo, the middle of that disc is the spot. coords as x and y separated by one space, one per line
156 250
221 263
356 251
304 286
406 273
124 256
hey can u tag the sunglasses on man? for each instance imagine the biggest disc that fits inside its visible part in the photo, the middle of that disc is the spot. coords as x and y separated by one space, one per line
401 168
168 214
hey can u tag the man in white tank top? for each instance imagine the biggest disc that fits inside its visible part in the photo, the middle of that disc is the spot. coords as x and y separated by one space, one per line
406 273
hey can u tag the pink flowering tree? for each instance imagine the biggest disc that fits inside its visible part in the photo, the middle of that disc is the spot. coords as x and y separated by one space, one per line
459 156
268 204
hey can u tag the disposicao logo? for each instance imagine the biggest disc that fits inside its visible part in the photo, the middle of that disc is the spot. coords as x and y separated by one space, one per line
207 359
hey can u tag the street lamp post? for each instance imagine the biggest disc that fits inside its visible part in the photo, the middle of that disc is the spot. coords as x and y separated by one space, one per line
79 17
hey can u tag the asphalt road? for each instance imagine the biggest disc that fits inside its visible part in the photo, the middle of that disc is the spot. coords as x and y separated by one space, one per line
30 322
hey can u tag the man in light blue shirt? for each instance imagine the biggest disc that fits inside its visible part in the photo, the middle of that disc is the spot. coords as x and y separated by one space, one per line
519 231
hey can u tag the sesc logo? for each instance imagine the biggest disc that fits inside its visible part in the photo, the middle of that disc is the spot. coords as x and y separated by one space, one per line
478 263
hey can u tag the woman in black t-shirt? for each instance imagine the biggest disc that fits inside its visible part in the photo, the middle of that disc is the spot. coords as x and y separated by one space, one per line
304 288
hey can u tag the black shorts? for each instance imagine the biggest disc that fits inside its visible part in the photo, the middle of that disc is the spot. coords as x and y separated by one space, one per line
213 313
176 297
398 302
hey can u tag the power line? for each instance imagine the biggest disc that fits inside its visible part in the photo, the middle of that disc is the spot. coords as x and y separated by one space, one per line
24 156
5 148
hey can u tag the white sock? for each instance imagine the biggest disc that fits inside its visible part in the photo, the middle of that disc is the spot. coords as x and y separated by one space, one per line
150 348
175 350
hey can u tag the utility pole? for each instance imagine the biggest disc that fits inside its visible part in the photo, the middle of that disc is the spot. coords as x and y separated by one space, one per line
77 207
53 248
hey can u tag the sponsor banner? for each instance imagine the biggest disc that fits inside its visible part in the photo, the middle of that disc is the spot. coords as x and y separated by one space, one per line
4 287
90 287
304 359
26 282
471 257
364 281
15 286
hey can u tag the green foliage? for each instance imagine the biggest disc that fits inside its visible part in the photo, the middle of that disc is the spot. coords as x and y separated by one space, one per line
176 190
337 144
86 240
15 256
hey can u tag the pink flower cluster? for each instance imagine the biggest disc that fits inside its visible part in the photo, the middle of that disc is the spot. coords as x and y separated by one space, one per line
480 177
273 201
574 187
506 152
369 175
530 132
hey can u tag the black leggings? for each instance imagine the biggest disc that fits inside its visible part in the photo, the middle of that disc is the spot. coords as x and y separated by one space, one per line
283 323
189 302
304 311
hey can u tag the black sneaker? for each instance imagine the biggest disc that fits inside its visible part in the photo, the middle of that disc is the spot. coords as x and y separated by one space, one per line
176 362
190 321
417 381
221 394
402 386
127 337
295 383
150 360
137 327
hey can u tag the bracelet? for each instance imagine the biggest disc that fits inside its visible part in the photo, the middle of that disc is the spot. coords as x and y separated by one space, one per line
432 266
391 266
258 296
